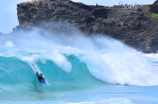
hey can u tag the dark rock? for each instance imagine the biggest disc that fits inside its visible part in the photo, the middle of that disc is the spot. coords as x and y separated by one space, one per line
156 2
154 7
127 25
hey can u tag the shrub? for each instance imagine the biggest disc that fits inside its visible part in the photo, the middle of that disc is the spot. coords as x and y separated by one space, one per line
146 11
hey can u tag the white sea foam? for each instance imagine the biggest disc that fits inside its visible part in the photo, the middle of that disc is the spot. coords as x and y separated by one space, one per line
9 44
107 59
108 101
60 60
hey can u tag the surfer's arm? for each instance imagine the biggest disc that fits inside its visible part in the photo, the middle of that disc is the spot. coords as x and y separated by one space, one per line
33 66
43 80
37 74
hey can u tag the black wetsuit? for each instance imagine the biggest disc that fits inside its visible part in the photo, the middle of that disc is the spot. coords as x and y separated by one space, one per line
39 77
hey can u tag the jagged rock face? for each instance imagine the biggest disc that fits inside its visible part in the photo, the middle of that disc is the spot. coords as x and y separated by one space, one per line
156 2
129 26
154 7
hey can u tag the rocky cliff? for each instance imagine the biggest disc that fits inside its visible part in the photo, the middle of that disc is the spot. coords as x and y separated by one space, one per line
127 25
154 7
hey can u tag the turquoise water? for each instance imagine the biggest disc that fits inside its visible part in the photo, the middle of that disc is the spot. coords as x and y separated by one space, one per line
77 69
19 84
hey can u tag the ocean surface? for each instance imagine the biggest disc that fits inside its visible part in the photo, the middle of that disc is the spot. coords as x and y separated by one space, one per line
78 69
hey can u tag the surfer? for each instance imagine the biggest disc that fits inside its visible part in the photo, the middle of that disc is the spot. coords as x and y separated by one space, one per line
40 78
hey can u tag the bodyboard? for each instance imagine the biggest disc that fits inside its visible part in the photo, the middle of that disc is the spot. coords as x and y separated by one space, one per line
44 82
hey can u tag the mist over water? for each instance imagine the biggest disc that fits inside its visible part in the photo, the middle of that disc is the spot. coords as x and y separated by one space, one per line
103 58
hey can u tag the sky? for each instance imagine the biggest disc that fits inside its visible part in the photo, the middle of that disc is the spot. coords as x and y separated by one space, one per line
8 12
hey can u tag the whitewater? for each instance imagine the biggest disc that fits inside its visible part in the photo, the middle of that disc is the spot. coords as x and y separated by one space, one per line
78 69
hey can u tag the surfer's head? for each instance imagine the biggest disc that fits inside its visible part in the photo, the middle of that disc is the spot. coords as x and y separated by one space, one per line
40 75
36 73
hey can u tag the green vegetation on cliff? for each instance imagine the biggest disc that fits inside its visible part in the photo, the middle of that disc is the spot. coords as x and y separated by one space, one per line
154 15
146 11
